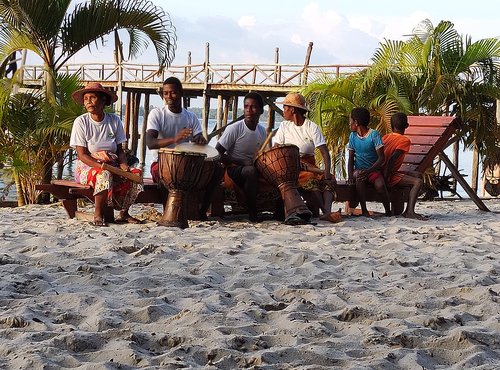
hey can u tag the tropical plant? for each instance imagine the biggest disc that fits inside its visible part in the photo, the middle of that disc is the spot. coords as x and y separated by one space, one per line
33 130
55 33
435 72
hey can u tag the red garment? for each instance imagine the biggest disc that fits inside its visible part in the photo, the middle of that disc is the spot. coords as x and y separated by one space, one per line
393 142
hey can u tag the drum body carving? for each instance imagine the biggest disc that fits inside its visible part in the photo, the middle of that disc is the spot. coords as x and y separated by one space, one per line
180 173
212 161
280 166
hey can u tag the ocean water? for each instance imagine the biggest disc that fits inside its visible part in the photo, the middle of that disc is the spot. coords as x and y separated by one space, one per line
465 168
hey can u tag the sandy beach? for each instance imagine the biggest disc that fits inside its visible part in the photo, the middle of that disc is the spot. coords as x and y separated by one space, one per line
382 293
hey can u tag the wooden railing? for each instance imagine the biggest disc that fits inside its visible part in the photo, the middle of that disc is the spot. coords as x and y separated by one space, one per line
229 74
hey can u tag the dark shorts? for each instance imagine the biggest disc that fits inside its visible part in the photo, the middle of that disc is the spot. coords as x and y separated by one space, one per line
373 176
235 173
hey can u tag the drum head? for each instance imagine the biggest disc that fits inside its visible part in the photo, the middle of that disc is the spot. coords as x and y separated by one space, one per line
210 151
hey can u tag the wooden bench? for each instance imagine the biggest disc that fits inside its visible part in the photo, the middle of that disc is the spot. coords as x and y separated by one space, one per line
68 192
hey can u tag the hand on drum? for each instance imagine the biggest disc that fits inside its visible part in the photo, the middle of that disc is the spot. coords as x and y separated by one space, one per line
199 139
183 135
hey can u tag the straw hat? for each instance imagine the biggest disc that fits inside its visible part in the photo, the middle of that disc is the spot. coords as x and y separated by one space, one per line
93 87
295 100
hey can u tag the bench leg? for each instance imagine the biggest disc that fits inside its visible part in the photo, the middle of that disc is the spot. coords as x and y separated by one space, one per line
397 207
70 206
217 206
109 214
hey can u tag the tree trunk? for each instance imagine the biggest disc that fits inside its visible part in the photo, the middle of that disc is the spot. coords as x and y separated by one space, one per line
50 85
19 190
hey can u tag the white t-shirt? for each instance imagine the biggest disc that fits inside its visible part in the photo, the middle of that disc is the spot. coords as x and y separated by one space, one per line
307 137
241 143
168 124
97 136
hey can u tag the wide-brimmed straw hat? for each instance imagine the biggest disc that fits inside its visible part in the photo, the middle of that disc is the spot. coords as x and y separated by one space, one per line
295 100
93 87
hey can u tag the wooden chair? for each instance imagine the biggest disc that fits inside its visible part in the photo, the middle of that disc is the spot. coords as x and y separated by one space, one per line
430 136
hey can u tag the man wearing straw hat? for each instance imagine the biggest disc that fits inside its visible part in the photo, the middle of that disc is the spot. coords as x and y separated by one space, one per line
316 184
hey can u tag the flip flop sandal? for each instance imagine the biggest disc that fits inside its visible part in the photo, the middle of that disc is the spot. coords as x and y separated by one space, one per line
294 220
99 222
128 220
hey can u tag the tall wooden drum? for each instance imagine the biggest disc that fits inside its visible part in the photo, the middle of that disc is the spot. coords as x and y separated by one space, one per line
212 161
180 173
280 166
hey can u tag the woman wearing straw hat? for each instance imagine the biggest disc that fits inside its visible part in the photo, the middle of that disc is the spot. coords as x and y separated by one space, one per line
316 184
97 137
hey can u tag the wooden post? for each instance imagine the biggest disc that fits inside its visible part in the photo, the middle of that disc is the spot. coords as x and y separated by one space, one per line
306 63
119 61
126 119
225 117
135 123
187 77
455 159
220 102
235 107
142 159
276 62
271 114
475 169
206 99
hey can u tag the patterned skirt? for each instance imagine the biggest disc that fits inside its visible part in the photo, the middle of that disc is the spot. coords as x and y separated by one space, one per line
122 193
312 181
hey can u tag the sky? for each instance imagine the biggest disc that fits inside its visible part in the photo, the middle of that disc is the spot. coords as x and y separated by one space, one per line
342 31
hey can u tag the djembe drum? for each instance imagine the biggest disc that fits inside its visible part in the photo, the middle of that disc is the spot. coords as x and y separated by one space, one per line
280 166
180 172
212 160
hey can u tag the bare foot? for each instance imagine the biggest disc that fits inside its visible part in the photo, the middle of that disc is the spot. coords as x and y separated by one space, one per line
124 217
99 221
331 217
415 216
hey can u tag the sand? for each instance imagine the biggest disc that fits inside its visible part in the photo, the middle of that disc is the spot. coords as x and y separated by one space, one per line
382 293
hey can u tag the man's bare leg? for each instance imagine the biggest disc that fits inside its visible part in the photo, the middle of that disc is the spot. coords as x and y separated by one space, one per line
379 185
361 192
416 184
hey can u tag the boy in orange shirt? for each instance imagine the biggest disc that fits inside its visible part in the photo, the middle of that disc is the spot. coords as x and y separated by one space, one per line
396 145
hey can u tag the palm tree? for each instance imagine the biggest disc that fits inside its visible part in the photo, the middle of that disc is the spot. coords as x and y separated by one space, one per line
50 30
436 71
55 33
